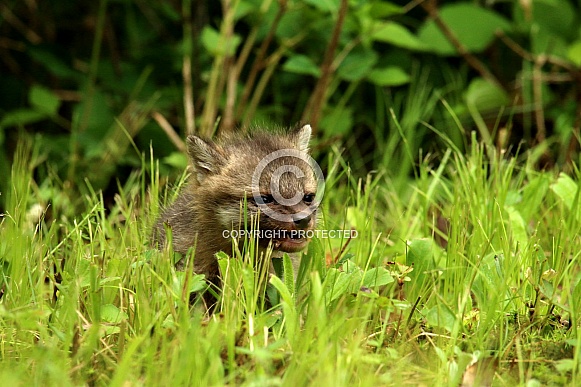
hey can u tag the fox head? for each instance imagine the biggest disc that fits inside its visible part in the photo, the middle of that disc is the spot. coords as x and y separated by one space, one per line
267 177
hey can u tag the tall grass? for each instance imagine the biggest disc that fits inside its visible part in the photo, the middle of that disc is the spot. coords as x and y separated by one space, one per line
473 272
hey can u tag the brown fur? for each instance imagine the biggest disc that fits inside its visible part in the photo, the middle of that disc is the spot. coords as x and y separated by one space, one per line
221 179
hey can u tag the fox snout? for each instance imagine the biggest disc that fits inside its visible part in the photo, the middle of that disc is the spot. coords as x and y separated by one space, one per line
302 221
299 221
295 217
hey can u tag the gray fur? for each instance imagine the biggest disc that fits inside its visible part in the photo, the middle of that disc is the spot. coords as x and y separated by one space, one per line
221 181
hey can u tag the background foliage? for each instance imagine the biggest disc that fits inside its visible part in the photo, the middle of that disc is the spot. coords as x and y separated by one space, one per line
91 78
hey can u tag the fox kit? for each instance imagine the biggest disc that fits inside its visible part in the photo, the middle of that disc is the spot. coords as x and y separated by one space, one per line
267 176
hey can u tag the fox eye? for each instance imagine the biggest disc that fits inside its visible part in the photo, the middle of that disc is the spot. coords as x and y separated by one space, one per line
266 199
308 198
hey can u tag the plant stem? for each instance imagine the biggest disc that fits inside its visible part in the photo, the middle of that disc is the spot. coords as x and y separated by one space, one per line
312 112
259 61
187 68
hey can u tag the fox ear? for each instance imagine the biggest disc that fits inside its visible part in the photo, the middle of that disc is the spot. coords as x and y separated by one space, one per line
302 137
206 157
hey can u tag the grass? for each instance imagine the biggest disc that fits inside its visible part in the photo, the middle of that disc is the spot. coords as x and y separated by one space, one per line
470 274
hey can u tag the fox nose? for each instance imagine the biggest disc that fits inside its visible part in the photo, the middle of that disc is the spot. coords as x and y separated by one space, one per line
301 220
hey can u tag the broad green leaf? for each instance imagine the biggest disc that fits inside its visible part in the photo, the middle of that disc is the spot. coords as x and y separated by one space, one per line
101 116
288 303
512 198
22 117
488 279
112 314
357 65
177 160
325 5
243 8
567 190
351 267
565 365
441 316
168 11
558 16
485 96
545 41
574 53
388 76
53 63
223 261
197 282
169 322
354 275
356 218
293 17
336 284
518 226
217 44
288 273
311 262
284 292
383 9
377 276
301 64
44 100
474 26
337 121
572 342
533 195
396 34
420 255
